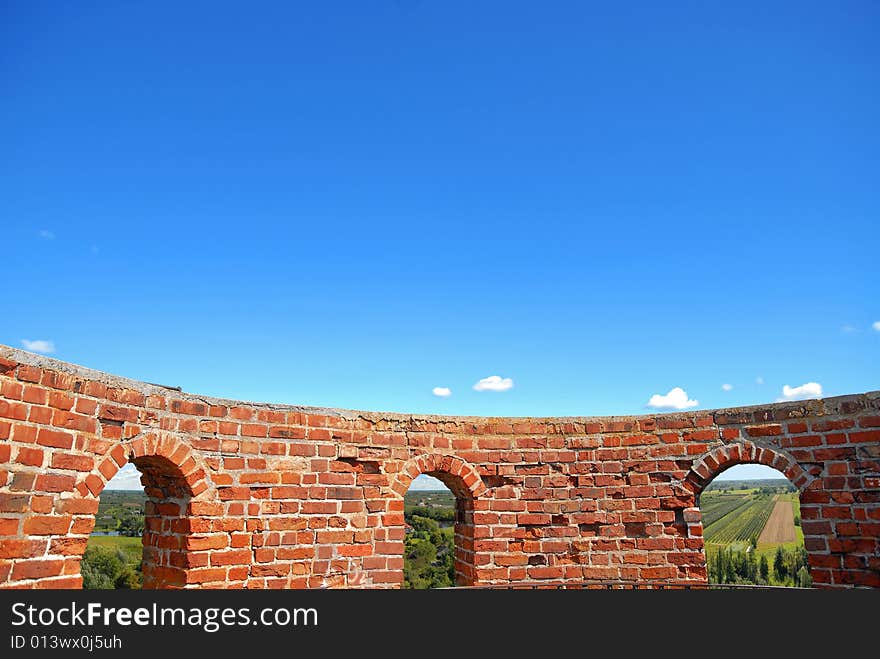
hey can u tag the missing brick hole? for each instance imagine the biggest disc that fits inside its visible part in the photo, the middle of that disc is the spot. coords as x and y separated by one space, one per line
496 481
112 422
635 530
361 466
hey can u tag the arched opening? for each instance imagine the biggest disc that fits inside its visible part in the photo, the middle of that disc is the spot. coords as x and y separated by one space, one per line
439 499
114 555
750 524
139 538
430 511
157 474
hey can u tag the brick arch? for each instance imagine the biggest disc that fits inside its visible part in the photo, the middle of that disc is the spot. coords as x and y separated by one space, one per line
142 448
710 465
465 483
172 476
461 478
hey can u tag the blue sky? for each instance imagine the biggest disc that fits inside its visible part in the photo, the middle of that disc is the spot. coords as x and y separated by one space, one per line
354 205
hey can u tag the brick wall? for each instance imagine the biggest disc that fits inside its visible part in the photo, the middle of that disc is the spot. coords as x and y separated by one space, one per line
267 496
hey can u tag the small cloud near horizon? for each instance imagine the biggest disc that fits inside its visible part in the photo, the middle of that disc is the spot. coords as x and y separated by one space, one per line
803 392
45 234
876 325
676 399
494 383
759 380
39 345
727 387
442 392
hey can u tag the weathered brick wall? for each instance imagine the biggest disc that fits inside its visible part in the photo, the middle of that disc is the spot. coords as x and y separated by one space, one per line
268 496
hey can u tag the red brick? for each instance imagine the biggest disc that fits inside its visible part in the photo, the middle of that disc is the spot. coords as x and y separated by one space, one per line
62 419
47 525
21 548
30 456
254 430
9 525
61 400
864 437
71 461
764 431
54 438
53 482
78 506
37 569
11 390
116 413
68 546
13 410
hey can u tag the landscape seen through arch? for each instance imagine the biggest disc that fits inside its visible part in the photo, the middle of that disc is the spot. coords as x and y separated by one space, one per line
751 528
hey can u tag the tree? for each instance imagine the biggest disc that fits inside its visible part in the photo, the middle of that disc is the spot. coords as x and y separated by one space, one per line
429 555
764 569
804 580
131 525
105 569
779 565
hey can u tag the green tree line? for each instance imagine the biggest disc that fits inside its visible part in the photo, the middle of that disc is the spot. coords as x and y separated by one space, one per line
733 566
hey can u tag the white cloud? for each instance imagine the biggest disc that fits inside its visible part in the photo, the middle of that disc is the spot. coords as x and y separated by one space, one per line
442 392
727 387
38 345
876 325
848 329
676 399
494 383
803 392
45 234
759 380
127 478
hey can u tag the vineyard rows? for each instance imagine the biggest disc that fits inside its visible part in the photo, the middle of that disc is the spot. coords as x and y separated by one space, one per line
716 507
747 523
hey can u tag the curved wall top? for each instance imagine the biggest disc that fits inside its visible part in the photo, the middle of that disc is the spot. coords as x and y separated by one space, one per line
264 495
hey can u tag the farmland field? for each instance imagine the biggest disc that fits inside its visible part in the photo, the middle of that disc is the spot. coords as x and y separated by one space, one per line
131 547
752 534
780 527
716 507
736 518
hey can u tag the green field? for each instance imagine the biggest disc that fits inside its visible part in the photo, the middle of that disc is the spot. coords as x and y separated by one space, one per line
131 547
